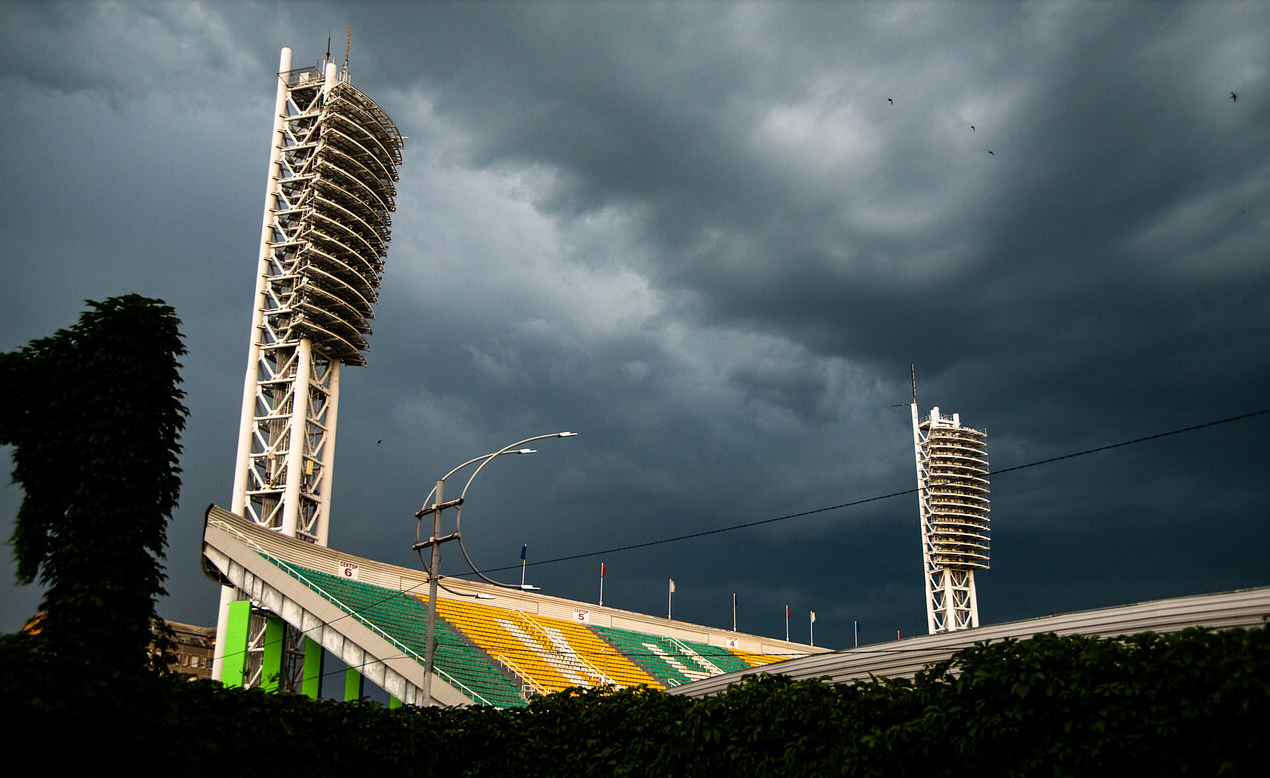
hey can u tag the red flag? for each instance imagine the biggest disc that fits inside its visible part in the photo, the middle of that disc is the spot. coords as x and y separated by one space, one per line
786 611
601 569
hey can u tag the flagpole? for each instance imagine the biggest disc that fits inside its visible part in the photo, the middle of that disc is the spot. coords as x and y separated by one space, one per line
523 549
786 623
670 597
812 629
857 634
734 611
601 583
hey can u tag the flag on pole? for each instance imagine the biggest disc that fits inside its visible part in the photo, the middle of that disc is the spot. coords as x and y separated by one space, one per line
813 617
523 550
672 586
601 569
786 611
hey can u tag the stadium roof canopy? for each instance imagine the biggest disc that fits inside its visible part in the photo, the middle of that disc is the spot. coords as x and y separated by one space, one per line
1246 608
500 651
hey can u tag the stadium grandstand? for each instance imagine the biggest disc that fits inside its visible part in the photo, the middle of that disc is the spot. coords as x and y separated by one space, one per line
494 646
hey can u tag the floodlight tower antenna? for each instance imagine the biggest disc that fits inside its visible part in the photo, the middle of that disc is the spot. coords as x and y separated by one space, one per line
327 216
952 495
348 44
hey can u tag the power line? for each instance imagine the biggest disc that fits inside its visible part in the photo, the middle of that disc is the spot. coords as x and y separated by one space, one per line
1122 443
853 503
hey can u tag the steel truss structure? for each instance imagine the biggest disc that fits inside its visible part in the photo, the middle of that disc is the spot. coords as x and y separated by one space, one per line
325 233
952 493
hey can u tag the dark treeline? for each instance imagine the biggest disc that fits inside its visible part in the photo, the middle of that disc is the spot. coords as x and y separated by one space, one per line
1189 703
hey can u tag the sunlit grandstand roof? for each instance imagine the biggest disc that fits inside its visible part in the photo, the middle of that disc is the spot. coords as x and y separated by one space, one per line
499 652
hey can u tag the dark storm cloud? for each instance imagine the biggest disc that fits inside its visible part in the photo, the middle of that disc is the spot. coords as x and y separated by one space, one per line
711 238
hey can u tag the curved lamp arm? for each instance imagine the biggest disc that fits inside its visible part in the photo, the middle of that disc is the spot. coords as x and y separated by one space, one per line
425 510
458 511
506 450
500 452
484 459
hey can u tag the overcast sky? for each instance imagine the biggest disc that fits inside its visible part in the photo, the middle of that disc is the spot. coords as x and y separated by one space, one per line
710 238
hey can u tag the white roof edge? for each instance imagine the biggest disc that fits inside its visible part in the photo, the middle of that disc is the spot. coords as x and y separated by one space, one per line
1244 608
414 581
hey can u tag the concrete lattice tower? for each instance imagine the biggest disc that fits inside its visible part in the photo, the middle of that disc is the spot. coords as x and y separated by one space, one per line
952 481
332 173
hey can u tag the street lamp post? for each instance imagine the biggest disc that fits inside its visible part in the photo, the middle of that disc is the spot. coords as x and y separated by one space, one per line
435 541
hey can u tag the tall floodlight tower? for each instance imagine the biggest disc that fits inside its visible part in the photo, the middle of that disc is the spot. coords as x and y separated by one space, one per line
952 489
332 173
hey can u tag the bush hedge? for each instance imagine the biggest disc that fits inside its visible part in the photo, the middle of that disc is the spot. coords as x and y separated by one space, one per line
1188 703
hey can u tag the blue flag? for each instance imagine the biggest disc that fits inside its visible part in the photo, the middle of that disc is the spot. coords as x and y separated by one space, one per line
523 550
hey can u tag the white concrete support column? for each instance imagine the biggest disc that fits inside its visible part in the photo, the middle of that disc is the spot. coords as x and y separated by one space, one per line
246 422
247 419
296 445
329 76
950 602
972 600
222 624
322 532
922 498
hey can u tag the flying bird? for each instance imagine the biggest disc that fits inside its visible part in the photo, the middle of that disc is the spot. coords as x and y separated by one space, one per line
380 443
1233 97
972 128
990 154
889 100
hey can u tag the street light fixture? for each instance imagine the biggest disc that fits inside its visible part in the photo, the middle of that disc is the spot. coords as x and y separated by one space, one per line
458 513
435 541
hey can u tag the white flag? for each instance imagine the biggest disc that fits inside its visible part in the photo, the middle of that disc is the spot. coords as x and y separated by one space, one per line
672 586
813 617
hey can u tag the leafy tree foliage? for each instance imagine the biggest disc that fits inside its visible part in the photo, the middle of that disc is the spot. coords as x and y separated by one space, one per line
1188 703
94 414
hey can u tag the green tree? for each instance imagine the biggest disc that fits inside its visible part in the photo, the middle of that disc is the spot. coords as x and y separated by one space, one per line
94 415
